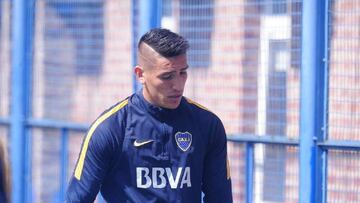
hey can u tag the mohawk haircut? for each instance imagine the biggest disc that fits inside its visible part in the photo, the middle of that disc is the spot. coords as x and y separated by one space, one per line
165 42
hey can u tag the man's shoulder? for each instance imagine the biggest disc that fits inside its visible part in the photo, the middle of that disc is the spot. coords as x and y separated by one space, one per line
203 116
200 109
116 108
111 115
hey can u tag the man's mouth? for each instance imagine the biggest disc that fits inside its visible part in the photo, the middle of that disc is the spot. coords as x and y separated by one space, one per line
175 96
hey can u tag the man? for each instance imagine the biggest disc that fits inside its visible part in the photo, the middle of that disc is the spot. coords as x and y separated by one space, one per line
156 145
4 175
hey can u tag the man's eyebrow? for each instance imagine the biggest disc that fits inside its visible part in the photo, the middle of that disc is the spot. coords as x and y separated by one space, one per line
186 67
169 72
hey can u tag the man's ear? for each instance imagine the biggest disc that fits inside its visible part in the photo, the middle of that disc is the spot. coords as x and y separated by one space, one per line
139 72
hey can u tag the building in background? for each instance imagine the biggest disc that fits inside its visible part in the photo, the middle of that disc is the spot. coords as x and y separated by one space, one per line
245 60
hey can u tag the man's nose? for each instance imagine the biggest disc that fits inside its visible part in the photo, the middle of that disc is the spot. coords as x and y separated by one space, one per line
178 84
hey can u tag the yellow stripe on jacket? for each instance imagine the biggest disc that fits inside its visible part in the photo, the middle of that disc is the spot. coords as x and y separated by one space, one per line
80 164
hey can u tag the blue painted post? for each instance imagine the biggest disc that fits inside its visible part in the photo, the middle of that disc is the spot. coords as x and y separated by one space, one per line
28 169
322 178
134 39
313 101
249 172
22 11
150 12
64 162
150 15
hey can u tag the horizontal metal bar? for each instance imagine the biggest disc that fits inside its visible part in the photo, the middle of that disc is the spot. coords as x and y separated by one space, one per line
265 139
340 144
4 121
46 123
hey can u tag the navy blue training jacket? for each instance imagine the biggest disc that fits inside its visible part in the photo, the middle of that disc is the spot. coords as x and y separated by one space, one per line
137 152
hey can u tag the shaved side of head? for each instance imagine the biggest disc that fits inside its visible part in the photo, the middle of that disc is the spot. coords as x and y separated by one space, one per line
147 56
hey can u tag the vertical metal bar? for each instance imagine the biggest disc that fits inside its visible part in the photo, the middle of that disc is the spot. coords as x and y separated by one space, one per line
150 15
28 169
134 30
249 172
150 12
323 187
28 96
324 157
18 108
22 23
312 100
64 162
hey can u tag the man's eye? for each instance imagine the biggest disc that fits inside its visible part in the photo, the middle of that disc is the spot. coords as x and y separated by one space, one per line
183 72
167 77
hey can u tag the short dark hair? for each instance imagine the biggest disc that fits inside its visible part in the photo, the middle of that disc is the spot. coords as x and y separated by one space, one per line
165 42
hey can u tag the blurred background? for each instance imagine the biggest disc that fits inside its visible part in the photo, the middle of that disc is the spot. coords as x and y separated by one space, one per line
283 76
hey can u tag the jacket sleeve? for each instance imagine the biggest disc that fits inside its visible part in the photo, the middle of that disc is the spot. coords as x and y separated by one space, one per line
216 179
93 163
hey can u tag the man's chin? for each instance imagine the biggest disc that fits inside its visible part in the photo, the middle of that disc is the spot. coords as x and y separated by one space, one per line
172 105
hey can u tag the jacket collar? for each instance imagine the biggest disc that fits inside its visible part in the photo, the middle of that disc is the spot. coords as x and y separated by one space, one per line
156 111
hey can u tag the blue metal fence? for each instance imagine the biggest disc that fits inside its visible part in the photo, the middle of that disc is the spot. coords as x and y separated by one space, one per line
22 27
343 113
282 75
313 101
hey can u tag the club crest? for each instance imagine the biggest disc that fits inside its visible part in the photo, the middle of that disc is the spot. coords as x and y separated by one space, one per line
183 140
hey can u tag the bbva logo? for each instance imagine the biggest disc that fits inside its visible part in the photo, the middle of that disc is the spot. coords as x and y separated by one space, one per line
158 177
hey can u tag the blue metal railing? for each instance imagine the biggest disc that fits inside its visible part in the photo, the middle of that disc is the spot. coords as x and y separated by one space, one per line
46 123
250 141
22 32
149 17
20 121
64 162
64 128
313 103
340 144
4 121
265 139
249 171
